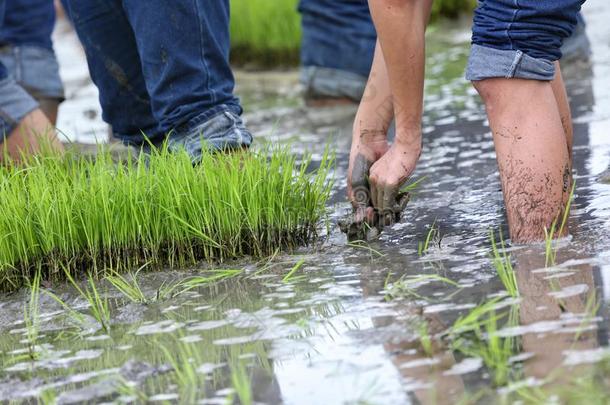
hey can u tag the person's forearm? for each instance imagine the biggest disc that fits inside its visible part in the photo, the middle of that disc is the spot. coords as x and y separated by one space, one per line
376 109
401 26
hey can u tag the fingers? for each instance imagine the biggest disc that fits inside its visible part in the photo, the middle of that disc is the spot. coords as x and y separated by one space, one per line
359 182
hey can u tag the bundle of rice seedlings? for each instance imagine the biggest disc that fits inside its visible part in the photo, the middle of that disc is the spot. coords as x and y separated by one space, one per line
86 215
265 32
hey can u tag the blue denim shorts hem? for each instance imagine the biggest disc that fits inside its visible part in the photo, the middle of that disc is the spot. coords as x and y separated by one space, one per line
335 83
35 69
15 104
487 63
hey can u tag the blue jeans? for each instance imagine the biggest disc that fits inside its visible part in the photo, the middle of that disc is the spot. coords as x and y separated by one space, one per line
337 47
520 38
26 23
161 66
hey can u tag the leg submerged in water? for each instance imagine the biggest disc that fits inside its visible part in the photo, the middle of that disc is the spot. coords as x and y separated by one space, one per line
532 153
513 65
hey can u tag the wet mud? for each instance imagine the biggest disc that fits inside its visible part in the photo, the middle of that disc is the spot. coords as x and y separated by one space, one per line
414 316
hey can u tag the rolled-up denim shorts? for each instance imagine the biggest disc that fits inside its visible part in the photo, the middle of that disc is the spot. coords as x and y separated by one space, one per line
15 104
520 38
35 69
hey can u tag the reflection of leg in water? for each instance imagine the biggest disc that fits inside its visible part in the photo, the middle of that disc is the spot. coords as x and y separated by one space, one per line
553 311
420 356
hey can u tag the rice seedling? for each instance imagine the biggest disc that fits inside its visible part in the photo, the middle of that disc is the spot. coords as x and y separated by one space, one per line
551 234
179 287
407 285
99 306
129 288
241 382
290 275
80 213
503 265
476 335
31 316
433 236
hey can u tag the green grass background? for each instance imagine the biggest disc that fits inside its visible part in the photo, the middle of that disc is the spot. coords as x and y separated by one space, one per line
267 33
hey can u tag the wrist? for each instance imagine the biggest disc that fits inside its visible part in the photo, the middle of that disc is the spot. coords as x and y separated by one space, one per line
411 140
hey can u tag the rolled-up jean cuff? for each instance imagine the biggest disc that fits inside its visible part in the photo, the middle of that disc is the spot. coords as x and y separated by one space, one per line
15 104
487 63
35 69
335 83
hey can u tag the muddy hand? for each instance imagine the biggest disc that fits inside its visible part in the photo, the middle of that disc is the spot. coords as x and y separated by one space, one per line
388 175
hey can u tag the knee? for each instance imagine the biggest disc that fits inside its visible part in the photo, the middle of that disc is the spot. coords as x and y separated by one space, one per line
486 89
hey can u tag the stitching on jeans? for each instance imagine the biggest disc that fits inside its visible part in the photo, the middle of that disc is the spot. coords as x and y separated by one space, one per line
510 25
515 65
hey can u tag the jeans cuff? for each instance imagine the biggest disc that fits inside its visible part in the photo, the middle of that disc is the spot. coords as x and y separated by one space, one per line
487 63
15 104
35 69
323 82
207 115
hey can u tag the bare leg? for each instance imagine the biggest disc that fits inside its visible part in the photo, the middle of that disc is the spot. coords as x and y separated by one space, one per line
532 153
561 96
33 134
49 106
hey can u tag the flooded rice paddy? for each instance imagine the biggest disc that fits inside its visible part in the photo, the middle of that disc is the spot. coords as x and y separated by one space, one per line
415 317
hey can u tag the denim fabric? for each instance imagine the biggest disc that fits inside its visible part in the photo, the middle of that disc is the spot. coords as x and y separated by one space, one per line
15 102
35 69
161 66
322 82
338 34
485 63
224 131
534 27
28 22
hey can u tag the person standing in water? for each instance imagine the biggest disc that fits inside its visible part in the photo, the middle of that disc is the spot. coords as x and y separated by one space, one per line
514 66
30 88
163 72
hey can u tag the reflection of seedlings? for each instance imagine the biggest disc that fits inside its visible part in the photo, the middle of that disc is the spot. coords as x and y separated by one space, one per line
290 275
476 335
48 397
189 381
591 308
241 382
433 236
83 213
551 234
425 339
365 246
406 286
504 267
566 387
31 316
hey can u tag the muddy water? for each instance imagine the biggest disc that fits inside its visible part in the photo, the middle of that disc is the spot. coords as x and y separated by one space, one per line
341 330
